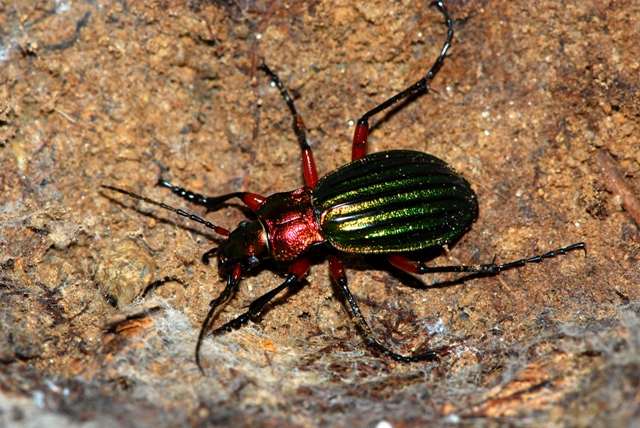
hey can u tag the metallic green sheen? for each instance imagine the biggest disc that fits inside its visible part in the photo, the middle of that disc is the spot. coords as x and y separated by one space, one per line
393 201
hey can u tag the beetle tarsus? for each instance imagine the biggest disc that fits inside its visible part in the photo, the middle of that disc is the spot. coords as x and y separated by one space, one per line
254 308
339 275
206 257
360 136
188 195
211 202
155 284
541 257
421 268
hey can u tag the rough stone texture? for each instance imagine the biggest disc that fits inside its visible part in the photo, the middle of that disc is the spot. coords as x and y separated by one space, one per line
116 92
124 272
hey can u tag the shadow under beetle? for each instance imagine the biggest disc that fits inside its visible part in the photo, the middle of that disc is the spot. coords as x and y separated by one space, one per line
388 203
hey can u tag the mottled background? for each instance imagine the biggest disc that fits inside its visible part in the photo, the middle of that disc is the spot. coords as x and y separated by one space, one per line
531 99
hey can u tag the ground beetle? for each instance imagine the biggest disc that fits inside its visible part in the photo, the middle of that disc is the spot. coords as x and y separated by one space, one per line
388 203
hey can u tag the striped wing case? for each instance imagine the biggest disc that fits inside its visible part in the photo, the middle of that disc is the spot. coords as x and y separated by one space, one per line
393 201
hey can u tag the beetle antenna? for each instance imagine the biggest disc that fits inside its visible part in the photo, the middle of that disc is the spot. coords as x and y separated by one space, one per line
232 284
219 230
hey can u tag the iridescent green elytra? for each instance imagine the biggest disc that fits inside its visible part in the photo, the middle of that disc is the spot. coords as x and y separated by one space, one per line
393 201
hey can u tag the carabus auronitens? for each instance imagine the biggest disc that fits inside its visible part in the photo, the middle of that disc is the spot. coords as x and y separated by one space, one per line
387 203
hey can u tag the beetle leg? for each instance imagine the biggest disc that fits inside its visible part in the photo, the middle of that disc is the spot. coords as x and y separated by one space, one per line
207 256
156 284
359 147
547 255
297 270
251 200
308 164
339 275
411 266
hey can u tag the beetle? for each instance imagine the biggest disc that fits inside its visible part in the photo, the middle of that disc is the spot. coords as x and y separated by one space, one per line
390 203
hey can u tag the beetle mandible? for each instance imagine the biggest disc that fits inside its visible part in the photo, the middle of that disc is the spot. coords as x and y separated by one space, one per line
388 203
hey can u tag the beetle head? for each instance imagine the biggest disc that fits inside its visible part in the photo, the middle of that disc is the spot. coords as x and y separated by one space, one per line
246 246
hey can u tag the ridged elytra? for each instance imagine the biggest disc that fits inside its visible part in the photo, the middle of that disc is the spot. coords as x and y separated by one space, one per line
393 201
387 203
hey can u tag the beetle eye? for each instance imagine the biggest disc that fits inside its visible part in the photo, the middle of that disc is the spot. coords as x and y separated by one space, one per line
253 261
243 223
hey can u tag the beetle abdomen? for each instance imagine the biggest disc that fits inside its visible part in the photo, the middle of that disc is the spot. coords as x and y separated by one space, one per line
393 201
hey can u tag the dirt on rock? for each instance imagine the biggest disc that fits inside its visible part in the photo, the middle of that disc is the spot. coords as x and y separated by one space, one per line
124 93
